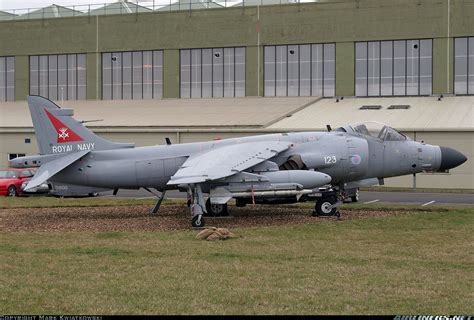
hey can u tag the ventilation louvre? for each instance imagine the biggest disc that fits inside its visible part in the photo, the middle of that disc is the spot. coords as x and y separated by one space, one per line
371 107
399 107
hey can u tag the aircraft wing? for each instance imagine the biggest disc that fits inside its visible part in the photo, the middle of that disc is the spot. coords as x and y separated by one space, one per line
226 161
49 169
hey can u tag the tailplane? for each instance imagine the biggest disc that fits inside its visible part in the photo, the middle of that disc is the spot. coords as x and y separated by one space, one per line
58 132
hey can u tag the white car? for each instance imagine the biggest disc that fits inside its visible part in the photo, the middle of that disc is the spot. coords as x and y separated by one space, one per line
352 195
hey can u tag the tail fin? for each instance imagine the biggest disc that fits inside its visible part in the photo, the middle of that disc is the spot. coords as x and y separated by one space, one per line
58 132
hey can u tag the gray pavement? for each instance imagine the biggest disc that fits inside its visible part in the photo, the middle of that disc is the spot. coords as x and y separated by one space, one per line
421 198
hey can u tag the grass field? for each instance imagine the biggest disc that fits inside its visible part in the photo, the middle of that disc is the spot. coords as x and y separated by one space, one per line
417 263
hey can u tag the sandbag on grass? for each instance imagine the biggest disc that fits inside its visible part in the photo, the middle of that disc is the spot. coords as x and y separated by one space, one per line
213 233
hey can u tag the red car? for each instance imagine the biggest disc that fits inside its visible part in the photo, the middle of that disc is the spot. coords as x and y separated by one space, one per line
12 179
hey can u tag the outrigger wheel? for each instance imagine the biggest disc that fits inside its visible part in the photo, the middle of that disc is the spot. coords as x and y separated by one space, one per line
197 221
197 207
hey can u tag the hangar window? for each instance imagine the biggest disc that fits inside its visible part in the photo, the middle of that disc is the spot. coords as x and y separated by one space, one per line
464 65
132 75
393 68
300 70
7 79
58 76
12 156
216 72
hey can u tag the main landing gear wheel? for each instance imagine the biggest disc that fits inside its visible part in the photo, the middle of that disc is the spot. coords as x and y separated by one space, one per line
197 221
11 192
325 207
216 210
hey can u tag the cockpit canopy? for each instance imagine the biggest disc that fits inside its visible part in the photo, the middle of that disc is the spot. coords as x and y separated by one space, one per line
377 130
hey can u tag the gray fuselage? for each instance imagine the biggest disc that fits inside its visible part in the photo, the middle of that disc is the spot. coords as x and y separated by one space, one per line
344 156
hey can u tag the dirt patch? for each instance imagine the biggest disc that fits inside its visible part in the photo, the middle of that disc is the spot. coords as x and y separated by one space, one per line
170 217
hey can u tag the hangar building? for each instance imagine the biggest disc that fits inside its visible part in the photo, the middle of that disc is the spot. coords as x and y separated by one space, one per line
196 70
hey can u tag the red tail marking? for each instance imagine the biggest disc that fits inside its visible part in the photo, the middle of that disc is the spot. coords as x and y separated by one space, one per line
65 134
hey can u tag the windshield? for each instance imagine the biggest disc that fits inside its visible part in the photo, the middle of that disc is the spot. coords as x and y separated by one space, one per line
394 135
378 130
7 174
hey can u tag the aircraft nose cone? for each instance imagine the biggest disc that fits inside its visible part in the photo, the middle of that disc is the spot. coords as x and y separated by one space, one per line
451 158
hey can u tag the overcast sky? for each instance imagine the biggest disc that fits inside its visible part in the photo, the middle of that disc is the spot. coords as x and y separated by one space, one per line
36 4
22 4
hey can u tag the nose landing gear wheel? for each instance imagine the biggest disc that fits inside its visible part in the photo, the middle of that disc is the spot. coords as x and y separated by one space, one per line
325 207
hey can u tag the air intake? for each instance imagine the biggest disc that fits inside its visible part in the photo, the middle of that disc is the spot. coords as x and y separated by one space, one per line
374 107
399 107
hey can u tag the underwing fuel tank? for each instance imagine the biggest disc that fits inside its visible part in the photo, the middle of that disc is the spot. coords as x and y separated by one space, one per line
308 179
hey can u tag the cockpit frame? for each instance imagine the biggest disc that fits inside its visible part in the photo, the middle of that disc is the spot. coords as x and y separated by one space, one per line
377 130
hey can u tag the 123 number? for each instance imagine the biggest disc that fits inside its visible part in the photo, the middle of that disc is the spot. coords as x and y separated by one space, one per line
330 159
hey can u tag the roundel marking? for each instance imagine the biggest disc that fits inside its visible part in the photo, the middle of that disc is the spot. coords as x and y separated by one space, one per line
356 159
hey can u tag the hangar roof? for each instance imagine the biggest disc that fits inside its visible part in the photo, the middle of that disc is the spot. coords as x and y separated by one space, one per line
275 114
134 6
424 113
247 3
6 15
235 112
190 4
120 7
53 11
